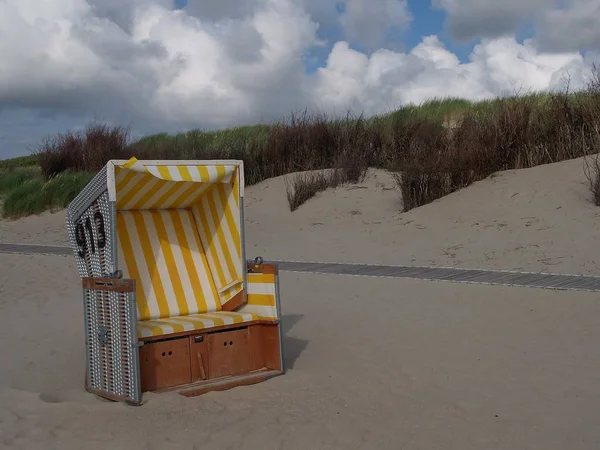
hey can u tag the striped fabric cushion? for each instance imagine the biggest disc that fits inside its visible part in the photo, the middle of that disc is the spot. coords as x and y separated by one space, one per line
261 296
161 327
162 251
217 218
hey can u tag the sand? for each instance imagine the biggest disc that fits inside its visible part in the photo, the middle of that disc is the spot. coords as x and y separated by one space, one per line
372 363
47 228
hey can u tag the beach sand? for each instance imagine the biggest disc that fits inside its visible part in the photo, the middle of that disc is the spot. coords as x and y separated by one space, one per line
372 363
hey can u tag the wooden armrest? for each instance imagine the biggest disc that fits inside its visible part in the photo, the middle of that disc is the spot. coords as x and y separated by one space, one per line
109 284
229 285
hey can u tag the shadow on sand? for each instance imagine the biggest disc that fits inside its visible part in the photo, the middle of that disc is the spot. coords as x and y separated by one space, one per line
292 347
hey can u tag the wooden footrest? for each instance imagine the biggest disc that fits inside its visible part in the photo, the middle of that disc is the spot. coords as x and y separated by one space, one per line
225 383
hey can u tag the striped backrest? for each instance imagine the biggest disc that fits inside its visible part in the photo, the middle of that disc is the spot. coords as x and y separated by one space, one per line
218 220
162 251
262 299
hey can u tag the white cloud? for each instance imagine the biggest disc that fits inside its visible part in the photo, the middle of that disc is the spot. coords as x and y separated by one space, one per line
231 70
470 19
572 27
368 21
560 25
365 22
140 62
388 79
221 9
170 66
122 12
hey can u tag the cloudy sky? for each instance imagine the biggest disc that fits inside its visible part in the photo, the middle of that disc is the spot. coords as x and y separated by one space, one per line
172 65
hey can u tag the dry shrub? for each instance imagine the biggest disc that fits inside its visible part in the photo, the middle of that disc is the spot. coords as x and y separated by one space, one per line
351 166
312 143
592 173
423 165
516 133
301 187
84 151
419 189
592 168
347 160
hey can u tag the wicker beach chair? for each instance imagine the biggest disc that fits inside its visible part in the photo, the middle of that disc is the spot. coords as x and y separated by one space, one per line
170 300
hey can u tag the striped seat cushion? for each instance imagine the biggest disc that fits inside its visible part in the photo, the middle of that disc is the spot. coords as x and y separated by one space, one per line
161 327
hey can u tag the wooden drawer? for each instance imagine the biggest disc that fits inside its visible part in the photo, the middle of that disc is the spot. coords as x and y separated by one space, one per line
228 353
165 363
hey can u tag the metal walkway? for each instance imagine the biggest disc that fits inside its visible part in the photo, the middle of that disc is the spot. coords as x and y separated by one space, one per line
451 274
28 249
448 274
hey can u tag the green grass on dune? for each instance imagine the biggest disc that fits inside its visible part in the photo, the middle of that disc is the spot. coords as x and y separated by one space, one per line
190 142
24 192
25 200
436 110
13 178
20 161
451 109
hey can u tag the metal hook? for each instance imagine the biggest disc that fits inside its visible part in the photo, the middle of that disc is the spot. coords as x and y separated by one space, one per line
118 274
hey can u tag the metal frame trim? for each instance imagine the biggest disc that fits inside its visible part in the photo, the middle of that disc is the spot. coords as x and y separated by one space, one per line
243 245
135 355
242 183
279 317
111 181
114 264
182 162
86 325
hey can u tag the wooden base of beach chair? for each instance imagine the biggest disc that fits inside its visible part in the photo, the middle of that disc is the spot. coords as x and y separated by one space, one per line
226 383
214 359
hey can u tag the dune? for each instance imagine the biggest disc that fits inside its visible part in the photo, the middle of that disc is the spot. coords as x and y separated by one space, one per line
539 219
372 363
48 228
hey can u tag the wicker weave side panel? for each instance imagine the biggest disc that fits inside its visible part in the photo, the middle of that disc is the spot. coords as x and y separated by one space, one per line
94 189
111 340
92 237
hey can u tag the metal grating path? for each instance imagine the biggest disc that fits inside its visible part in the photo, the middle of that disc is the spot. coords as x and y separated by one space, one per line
449 274
36 249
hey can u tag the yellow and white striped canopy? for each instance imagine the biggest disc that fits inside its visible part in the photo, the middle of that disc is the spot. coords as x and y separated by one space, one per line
169 186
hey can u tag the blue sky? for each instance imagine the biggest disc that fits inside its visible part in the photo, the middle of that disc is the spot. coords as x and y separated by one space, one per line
428 20
233 62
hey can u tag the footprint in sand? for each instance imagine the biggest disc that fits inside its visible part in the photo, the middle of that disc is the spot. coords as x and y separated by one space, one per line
49 397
